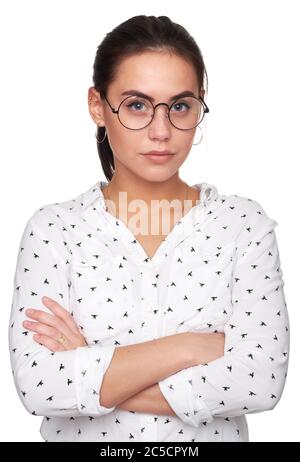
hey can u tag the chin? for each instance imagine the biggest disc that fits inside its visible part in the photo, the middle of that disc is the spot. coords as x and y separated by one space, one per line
158 176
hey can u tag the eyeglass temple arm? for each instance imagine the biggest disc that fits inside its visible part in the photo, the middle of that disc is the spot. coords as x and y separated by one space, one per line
205 105
115 111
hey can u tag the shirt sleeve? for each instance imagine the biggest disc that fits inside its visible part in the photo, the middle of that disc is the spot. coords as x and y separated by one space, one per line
251 375
49 383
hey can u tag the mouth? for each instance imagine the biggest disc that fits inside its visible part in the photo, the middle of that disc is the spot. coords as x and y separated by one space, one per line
158 153
158 157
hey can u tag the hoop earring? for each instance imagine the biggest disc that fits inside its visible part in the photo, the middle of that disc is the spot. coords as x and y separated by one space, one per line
99 142
194 144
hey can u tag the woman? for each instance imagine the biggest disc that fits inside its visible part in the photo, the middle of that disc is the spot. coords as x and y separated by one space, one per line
159 327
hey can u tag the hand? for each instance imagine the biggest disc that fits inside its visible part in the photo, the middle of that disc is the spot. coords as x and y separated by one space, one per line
58 332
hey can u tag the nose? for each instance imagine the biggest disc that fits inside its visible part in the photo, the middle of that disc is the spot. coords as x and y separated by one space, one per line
160 125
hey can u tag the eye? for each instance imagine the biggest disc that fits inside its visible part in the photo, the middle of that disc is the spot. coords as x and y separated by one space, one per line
176 105
136 103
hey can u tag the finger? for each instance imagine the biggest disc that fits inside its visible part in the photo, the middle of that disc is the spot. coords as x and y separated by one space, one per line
53 321
48 343
46 330
61 312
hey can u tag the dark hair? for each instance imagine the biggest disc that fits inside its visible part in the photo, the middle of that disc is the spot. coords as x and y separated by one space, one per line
134 36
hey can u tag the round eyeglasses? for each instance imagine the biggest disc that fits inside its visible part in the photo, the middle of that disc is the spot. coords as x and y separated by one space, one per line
136 112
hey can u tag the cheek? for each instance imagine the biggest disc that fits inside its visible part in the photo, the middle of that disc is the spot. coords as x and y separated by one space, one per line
125 145
183 143
117 141
192 138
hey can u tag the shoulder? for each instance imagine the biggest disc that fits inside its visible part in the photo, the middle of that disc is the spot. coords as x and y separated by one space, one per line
233 205
247 207
245 219
250 219
65 211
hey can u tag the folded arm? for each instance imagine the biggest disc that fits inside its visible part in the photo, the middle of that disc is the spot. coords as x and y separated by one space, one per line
64 383
149 401
250 377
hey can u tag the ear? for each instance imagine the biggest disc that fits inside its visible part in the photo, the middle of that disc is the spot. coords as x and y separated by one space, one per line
96 108
202 93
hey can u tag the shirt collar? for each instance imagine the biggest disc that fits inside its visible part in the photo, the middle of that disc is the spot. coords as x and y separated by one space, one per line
91 206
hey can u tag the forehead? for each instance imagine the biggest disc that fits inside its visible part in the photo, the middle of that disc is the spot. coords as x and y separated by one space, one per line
155 74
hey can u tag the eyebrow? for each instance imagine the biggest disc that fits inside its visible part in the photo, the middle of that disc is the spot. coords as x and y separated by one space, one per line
143 95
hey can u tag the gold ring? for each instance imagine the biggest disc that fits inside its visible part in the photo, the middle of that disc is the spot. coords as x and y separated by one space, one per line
62 339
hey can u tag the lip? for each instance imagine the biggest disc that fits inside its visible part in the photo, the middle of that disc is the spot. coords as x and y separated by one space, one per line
159 157
158 153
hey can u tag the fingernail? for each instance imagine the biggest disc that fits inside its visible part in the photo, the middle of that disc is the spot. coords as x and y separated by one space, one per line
46 299
29 311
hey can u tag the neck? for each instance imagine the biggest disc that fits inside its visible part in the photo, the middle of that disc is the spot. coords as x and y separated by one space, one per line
146 191
176 196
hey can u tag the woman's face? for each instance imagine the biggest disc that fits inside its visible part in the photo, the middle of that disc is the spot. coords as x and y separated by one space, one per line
160 76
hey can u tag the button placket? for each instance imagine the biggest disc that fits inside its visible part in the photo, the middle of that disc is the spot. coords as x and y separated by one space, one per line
150 297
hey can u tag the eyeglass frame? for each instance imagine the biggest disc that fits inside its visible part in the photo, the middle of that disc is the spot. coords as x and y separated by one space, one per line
116 111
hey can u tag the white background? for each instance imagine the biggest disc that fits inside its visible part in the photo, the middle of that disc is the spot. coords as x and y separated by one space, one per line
250 145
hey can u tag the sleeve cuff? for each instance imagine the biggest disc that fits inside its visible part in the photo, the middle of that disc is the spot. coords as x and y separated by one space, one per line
178 391
91 363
